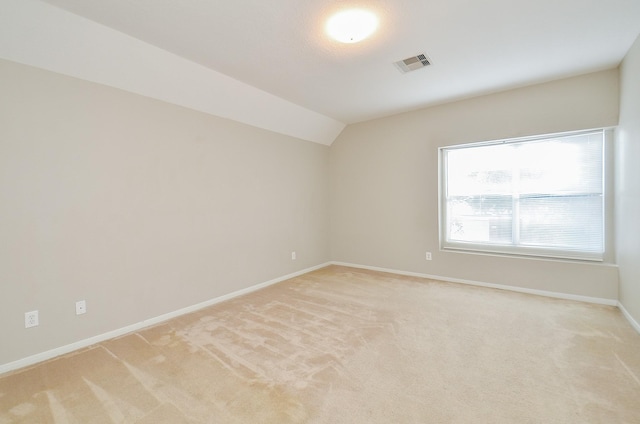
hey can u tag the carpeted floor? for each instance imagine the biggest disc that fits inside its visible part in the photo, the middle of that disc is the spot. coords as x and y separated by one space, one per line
342 345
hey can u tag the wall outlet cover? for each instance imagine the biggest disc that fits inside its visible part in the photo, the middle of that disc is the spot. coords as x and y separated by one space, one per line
31 319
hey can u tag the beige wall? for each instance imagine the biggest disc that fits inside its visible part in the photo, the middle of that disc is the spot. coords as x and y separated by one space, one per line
139 207
142 208
628 183
384 183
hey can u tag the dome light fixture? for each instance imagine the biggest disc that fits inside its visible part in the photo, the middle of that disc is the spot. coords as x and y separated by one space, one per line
351 26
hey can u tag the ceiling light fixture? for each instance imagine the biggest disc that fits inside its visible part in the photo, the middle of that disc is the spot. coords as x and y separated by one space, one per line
351 26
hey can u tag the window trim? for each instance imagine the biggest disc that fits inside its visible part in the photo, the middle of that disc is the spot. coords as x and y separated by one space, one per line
532 251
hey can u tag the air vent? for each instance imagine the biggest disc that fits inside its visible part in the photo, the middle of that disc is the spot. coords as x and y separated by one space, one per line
412 63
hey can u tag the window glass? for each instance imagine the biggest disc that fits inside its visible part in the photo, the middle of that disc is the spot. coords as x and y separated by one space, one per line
541 196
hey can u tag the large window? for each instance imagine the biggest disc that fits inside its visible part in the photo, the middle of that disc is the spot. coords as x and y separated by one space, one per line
536 196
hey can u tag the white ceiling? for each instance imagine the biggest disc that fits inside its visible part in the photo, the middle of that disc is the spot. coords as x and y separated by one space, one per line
477 47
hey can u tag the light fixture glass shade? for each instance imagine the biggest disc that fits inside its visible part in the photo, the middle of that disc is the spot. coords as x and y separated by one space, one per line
351 26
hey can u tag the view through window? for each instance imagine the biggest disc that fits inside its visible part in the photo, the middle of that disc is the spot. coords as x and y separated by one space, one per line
536 196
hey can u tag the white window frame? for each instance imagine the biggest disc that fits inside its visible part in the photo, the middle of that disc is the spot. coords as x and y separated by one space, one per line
520 250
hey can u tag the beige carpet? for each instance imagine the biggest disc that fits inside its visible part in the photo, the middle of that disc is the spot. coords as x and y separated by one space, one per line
341 345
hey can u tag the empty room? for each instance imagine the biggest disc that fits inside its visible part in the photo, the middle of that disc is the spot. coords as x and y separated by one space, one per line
319 211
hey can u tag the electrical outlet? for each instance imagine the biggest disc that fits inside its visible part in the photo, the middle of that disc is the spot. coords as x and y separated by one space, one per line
293 256
427 256
31 319
81 307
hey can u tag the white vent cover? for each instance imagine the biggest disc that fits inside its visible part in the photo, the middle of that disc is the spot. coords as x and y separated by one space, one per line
412 63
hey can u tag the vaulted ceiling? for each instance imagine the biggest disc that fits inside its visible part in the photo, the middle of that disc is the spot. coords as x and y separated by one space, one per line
275 57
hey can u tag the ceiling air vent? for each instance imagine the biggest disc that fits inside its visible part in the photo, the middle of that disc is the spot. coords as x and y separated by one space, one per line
412 63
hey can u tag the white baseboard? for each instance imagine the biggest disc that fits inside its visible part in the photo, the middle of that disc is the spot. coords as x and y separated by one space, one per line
629 318
50 354
598 300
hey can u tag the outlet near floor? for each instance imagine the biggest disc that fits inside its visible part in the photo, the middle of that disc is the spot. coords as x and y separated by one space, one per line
31 319
81 307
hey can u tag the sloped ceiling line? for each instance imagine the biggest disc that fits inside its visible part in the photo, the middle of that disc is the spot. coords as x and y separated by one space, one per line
43 36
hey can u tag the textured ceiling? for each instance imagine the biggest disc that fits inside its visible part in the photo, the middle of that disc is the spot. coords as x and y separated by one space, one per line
270 64
279 46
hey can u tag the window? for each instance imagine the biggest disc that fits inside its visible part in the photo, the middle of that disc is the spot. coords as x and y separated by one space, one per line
540 196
